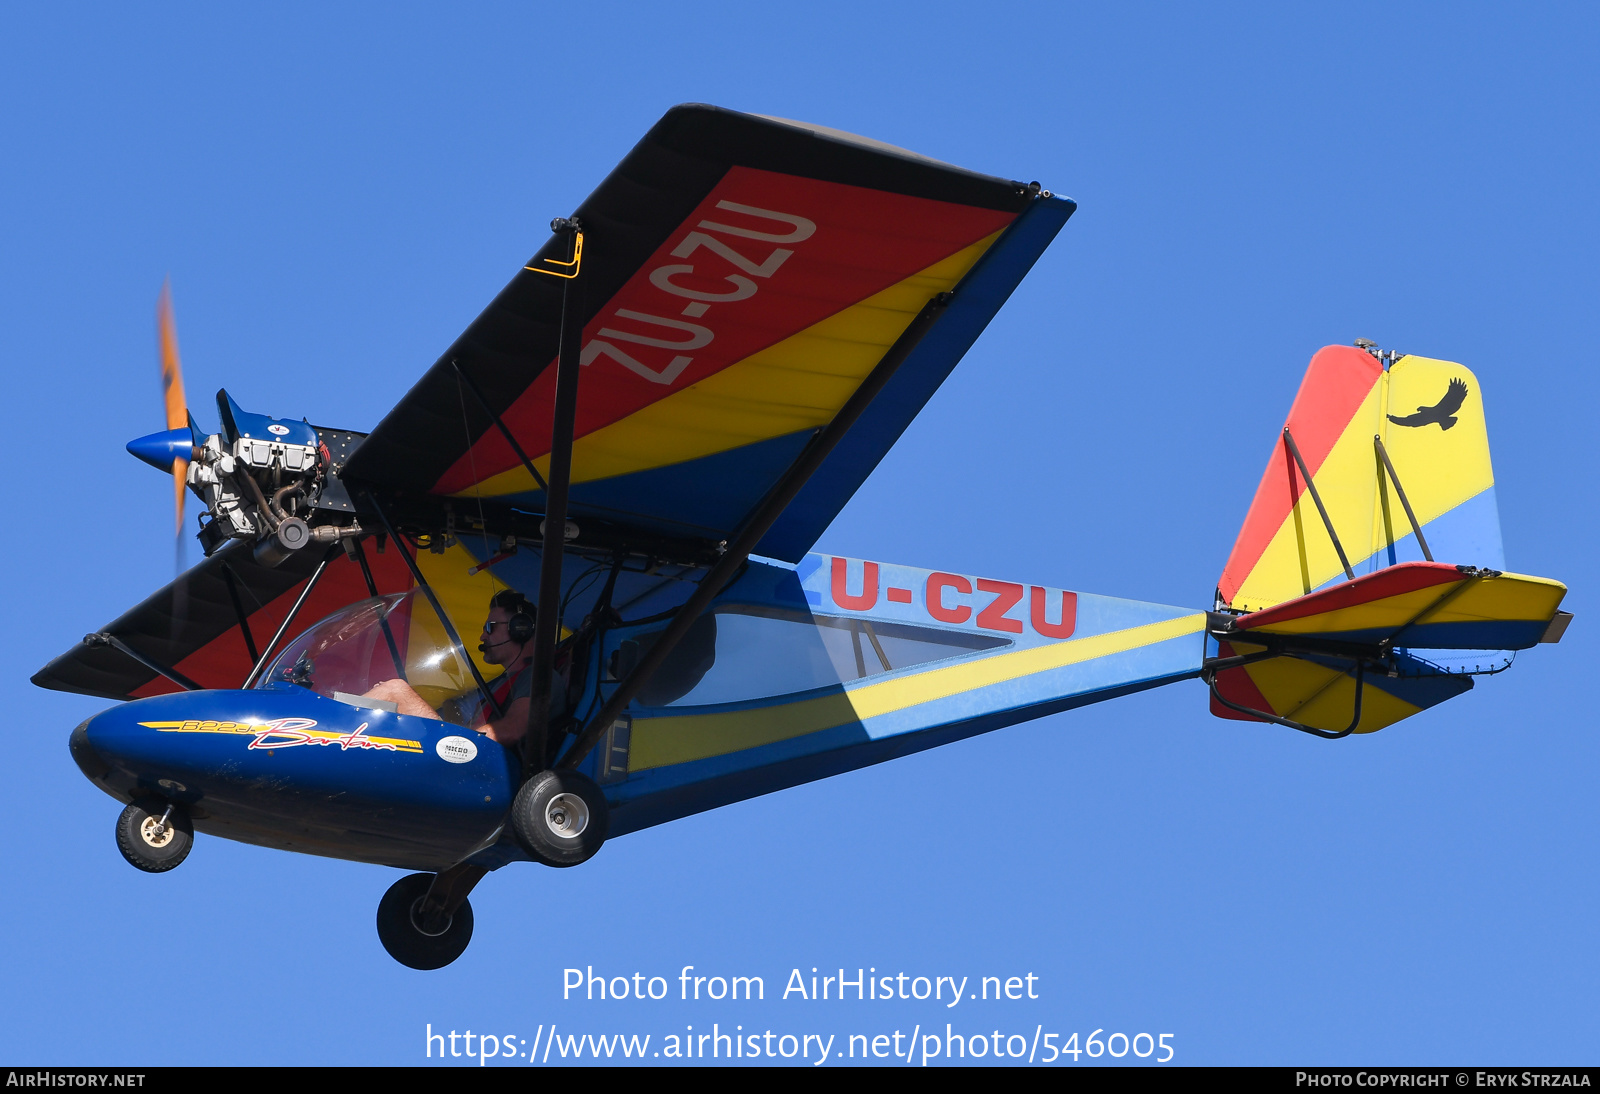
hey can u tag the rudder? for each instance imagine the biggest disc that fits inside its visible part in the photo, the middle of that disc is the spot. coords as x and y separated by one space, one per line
1351 411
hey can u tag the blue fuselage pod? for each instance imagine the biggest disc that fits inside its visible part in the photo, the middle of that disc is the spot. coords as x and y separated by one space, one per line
284 767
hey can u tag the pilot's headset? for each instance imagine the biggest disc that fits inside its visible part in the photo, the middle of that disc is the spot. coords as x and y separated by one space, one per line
519 628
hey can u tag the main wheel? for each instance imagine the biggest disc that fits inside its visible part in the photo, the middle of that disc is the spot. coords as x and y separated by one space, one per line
404 935
154 836
560 817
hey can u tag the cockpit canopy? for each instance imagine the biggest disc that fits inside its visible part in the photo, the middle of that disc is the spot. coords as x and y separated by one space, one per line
384 638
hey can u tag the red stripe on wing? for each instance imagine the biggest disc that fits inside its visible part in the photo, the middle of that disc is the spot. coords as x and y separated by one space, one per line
864 241
224 662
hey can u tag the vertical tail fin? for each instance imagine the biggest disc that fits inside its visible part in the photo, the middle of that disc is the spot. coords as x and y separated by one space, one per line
1391 452
1366 584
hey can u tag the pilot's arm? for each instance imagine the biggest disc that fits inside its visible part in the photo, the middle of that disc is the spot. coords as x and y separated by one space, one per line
404 697
513 724
510 727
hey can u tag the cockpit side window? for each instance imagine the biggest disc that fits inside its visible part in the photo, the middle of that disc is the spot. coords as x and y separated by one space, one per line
744 652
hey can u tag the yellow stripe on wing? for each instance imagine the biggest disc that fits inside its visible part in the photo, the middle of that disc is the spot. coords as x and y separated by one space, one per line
798 383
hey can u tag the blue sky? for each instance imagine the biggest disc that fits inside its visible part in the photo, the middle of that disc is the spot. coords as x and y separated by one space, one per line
336 193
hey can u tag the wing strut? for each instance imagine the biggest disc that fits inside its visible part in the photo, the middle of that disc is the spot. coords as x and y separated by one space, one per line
761 520
106 638
288 620
238 610
504 432
438 609
353 547
547 622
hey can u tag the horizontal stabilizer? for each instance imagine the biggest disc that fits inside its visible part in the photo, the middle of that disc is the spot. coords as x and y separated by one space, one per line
1321 692
1421 605
1336 661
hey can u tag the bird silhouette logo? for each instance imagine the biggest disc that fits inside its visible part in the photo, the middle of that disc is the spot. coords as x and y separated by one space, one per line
1441 413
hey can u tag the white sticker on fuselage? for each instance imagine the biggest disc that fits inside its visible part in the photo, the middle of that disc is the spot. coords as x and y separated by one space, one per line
457 750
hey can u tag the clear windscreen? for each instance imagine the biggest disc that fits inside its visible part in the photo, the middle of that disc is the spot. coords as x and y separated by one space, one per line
385 638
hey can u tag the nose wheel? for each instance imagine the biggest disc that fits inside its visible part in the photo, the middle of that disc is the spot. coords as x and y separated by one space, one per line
153 835
419 936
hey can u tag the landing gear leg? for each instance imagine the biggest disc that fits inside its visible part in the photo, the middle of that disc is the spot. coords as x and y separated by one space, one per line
424 920
154 835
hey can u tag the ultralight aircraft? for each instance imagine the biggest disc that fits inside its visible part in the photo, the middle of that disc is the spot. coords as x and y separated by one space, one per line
646 432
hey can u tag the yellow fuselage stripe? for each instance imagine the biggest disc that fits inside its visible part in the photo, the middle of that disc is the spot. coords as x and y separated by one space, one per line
658 742
253 730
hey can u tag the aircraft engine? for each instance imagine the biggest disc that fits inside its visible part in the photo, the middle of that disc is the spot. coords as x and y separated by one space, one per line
259 478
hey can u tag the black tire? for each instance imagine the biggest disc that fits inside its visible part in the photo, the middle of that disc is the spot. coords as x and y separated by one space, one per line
404 937
560 818
149 845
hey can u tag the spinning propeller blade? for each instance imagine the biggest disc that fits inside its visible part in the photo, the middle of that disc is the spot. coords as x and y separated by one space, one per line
177 406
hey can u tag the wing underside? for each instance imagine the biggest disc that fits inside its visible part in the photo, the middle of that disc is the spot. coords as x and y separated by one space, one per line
199 624
741 276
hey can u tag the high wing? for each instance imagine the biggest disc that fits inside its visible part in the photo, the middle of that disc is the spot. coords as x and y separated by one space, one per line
742 275
193 625
213 623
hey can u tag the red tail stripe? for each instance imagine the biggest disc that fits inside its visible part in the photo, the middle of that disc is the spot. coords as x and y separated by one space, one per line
1336 384
1240 688
1406 577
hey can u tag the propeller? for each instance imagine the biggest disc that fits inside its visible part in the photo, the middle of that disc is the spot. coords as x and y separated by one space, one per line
171 450
177 406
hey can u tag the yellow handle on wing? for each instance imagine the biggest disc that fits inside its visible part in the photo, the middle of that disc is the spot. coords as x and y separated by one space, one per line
575 265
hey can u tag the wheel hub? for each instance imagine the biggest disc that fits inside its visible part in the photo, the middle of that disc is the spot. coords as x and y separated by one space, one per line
567 815
417 920
156 834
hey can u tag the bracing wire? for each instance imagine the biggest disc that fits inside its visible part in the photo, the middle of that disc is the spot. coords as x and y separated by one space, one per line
477 487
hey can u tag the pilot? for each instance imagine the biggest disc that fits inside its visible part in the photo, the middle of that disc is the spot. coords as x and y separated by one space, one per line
507 641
